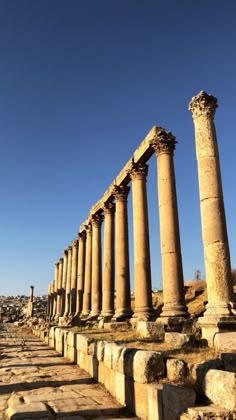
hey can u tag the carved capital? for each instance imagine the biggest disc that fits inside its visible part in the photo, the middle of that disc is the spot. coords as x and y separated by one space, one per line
97 219
69 249
120 192
203 104
138 171
74 243
163 142
81 236
65 252
56 264
88 229
109 208
61 260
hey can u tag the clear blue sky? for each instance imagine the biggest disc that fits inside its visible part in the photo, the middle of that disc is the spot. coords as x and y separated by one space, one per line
81 83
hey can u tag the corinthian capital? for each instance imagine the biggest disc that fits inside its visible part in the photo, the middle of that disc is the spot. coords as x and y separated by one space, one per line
109 208
163 142
120 192
74 243
97 219
138 170
203 104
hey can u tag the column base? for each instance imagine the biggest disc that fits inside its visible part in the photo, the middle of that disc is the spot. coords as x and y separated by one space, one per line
171 310
122 314
94 314
143 314
213 324
221 309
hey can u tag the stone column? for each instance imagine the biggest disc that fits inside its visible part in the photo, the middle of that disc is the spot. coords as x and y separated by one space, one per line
172 271
96 296
51 299
56 272
68 281
64 274
108 263
80 272
214 231
59 288
88 272
74 266
123 298
54 288
30 303
142 267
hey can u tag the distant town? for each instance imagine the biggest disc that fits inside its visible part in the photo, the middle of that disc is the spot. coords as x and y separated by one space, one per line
13 308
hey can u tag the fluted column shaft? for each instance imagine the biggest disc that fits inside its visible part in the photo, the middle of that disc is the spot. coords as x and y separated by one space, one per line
80 272
142 267
74 266
214 231
68 281
172 271
88 272
59 288
64 274
56 272
109 261
123 299
96 297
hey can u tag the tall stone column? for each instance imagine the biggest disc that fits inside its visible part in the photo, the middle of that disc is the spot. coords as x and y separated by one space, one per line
54 288
109 261
68 281
30 303
123 298
214 231
51 300
64 274
142 266
88 272
59 288
96 296
74 266
80 272
172 271
56 272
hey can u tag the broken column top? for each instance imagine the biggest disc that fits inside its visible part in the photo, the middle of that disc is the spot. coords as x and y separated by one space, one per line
203 104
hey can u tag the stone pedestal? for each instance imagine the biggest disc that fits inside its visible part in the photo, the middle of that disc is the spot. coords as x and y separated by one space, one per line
172 272
142 268
214 232
88 272
123 304
109 268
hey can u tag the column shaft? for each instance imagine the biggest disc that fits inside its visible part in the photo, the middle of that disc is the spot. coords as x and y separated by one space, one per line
74 266
109 261
80 272
68 281
64 274
214 231
59 288
88 272
142 267
172 271
96 296
123 298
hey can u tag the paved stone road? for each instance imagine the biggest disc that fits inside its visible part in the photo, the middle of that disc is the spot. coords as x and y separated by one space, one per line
36 382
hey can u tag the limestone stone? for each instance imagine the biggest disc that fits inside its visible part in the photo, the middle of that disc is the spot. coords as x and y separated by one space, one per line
144 366
82 343
220 387
108 352
117 350
208 412
155 404
120 387
100 350
178 398
37 410
178 339
176 370
225 341
148 329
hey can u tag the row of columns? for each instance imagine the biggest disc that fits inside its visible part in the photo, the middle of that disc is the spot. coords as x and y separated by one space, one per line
80 287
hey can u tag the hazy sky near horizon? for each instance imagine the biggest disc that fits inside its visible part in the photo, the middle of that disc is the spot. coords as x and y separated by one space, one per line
81 84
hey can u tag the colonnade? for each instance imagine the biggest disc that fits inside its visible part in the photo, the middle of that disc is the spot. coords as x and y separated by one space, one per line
82 287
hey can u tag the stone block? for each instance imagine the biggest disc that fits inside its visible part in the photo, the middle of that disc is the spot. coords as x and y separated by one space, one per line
120 387
116 326
37 410
92 349
176 370
147 329
155 404
199 371
209 412
100 350
82 343
109 381
178 339
108 351
117 350
144 366
140 400
220 387
178 398
229 361
102 372
225 341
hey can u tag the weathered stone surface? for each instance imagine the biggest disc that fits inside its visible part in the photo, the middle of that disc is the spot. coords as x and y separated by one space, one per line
209 412
36 410
100 350
82 343
147 329
144 366
177 399
177 339
155 404
176 370
199 370
220 387
225 341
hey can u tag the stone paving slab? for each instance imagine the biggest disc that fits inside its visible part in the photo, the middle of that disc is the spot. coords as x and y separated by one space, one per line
36 382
